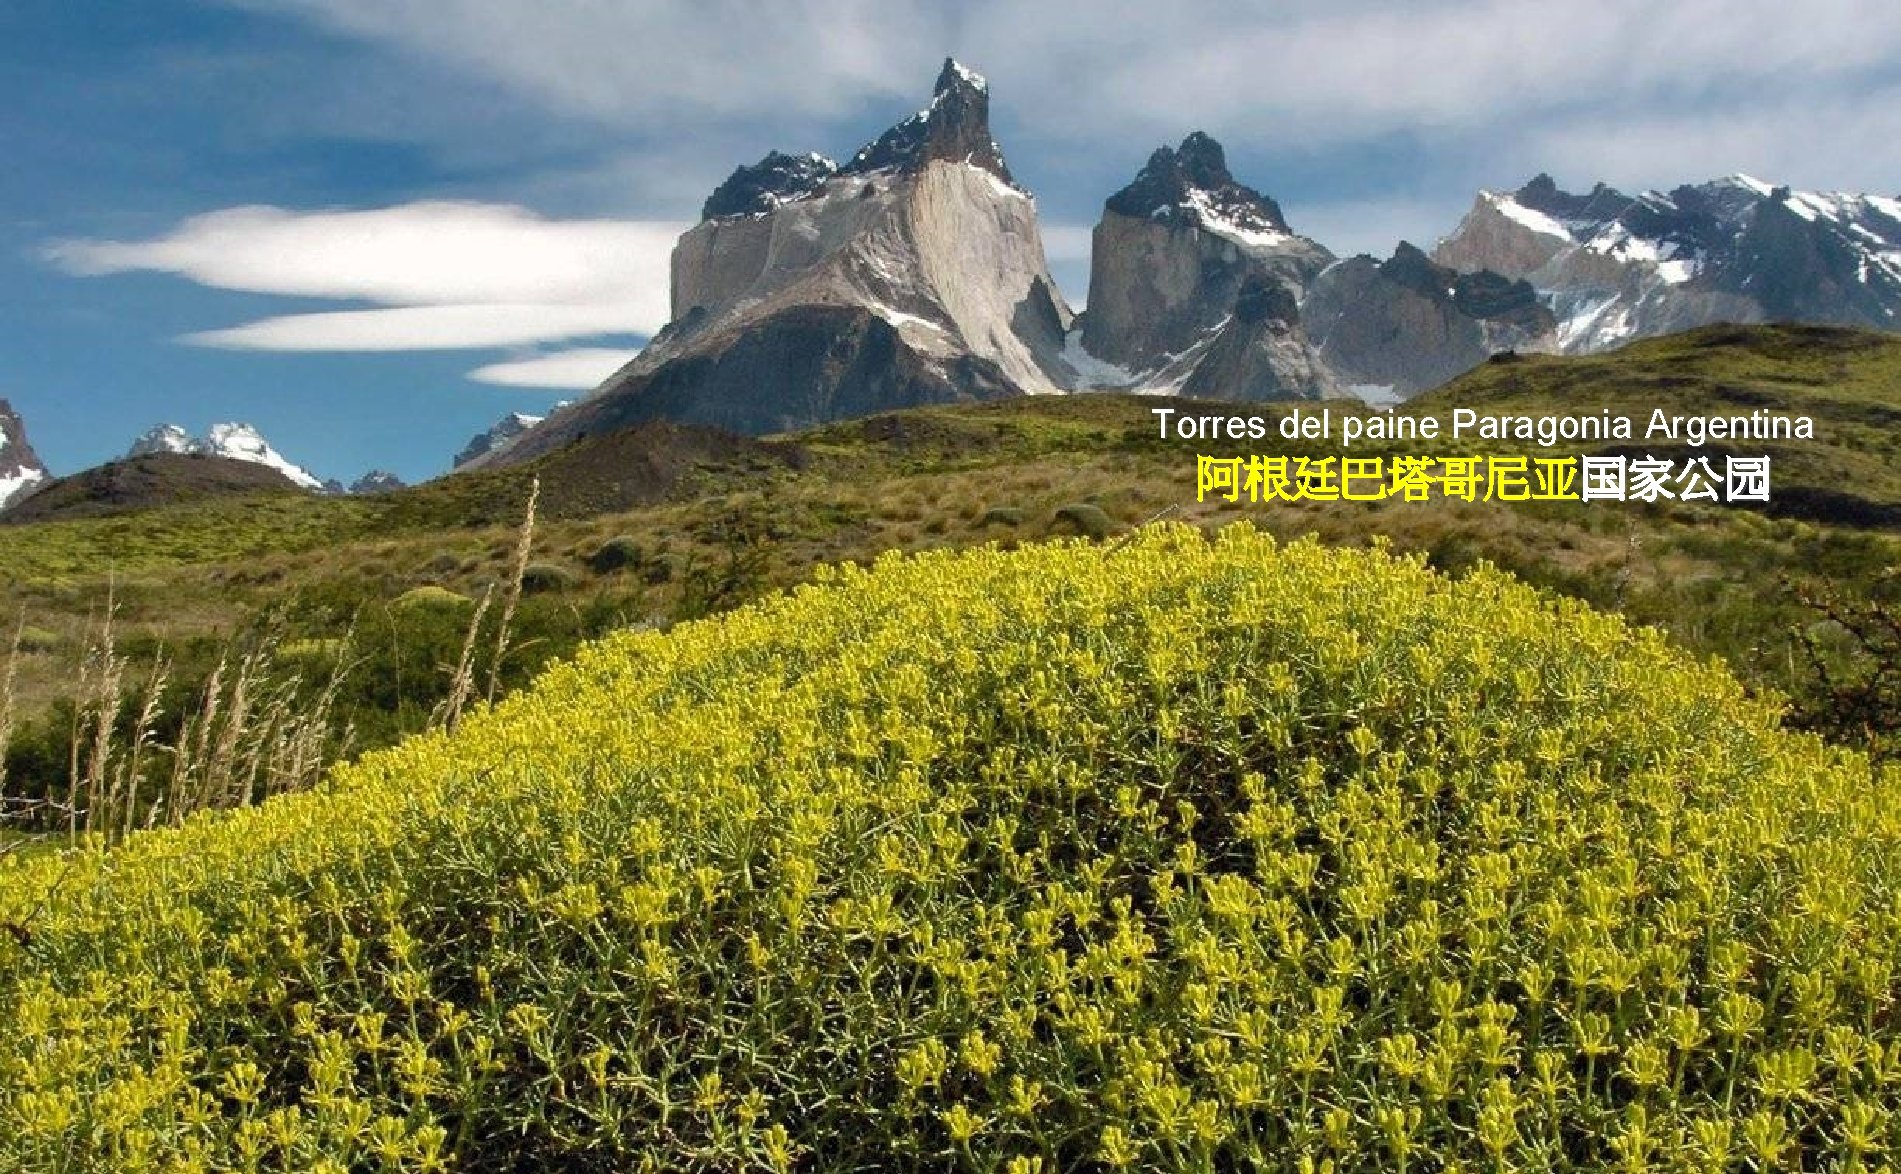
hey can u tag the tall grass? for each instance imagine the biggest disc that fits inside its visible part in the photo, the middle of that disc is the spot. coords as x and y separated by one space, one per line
252 731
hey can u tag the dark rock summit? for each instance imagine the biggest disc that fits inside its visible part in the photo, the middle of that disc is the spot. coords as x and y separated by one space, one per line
1191 184
1406 324
777 179
1181 253
954 128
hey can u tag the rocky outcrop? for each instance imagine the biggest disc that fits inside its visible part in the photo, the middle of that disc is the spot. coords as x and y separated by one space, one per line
21 472
374 482
1406 324
1261 352
1615 267
913 272
1172 255
499 437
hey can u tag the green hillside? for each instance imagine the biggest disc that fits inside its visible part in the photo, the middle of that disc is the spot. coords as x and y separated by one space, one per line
698 523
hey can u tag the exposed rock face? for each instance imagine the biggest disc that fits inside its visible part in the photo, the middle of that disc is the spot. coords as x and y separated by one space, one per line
1407 324
821 362
375 481
1262 353
1616 267
500 436
21 472
1172 254
913 274
777 179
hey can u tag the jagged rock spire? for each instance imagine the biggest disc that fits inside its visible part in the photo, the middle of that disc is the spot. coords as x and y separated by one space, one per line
954 128
1192 183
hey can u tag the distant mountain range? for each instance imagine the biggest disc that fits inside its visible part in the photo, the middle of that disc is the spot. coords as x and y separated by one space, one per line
242 442
1616 267
914 273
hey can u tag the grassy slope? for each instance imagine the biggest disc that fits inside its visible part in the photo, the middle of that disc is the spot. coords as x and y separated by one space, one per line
723 522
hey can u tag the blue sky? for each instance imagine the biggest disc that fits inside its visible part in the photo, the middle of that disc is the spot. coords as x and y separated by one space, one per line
372 228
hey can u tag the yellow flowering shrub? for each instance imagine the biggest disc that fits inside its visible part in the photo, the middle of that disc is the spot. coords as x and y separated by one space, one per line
1181 854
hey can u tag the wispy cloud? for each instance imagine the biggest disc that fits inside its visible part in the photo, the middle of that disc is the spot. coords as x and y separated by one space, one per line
578 369
1308 72
441 275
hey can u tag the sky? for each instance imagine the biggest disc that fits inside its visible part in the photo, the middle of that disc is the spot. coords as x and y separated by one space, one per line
371 228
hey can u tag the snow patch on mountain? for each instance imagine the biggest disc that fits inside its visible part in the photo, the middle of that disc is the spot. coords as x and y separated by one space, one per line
1529 217
20 469
165 438
231 441
1615 267
499 437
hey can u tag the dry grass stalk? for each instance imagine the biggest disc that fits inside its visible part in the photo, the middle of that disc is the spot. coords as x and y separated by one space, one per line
7 682
105 719
524 545
463 684
128 795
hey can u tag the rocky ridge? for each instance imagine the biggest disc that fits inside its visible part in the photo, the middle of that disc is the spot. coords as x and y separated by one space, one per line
1615 267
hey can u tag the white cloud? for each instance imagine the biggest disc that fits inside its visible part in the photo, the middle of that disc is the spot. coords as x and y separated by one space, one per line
580 369
447 275
629 64
1825 144
1305 71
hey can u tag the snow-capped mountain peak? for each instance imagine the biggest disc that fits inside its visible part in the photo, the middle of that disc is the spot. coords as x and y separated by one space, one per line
165 438
20 469
1191 184
1616 267
241 442
231 441
499 438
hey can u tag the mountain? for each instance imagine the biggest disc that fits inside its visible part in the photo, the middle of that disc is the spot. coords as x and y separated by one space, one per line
1388 329
1198 286
144 481
913 274
234 442
165 438
1194 286
498 439
810 291
20 468
375 481
1616 267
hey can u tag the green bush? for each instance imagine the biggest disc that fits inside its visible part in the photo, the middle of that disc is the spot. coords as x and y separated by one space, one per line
1001 515
1088 520
1185 854
617 554
430 596
545 578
